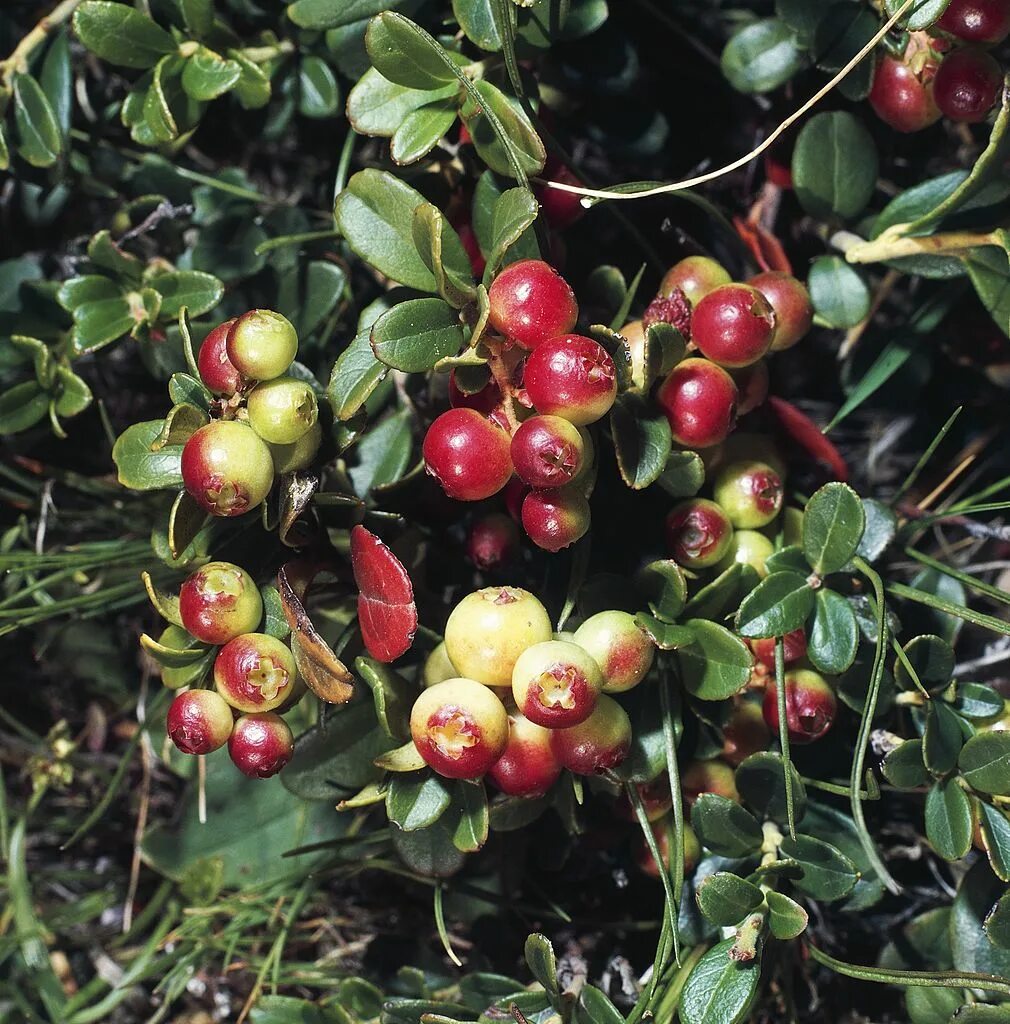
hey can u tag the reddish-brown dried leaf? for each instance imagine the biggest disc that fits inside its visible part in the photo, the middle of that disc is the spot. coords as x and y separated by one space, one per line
324 673
764 246
387 614
802 430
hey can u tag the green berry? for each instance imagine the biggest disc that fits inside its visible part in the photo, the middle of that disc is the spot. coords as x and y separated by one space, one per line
283 410
748 547
621 649
262 344
750 493
291 457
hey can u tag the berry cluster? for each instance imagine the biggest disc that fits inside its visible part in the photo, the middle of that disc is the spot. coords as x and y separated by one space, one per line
731 327
255 680
525 430
507 698
268 422
948 74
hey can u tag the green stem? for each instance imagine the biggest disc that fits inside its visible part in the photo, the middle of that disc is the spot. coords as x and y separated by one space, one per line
914 979
780 694
17 62
866 726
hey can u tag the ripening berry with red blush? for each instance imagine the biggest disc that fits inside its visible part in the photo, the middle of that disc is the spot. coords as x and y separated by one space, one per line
692 850
698 533
490 628
968 85
794 647
752 384
790 300
218 602
484 401
227 468
199 721
745 733
467 454
619 646
749 492
531 302
556 684
556 517
601 741
547 451
262 344
254 672
261 744
699 399
977 21
562 209
695 276
216 370
528 766
810 706
492 542
903 98
708 777
733 325
460 728
573 377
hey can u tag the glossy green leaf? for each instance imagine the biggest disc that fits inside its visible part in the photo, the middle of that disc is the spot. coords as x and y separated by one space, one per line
904 766
377 106
942 739
833 637
724 827
318 91
443 254
977 893
208 75
985 763
840 35
665 586
383 454
978 701
38 133
336 13
513 213
22 406
392 694
989 270
833 524
827 873
881 527
642 441
931 659
193 290
948 819
471 831
923 13
719 989
726 899
834 166
141 468
400 54
779 604
414 335
375 213
422 129
356 374
717 664
595 1008
762 56
524 143
786 918
121 35
417 799
543 965
760 780
995 828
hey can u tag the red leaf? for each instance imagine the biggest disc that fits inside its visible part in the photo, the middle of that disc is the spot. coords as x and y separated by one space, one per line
766 249
801 428
387 614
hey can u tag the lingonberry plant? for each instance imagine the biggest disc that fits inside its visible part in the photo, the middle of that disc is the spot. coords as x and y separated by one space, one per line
534 538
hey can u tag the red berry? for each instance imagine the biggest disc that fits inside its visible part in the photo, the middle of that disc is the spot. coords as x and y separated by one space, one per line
695 276
515 494
657 800
778 173
733 325
531 302
227 468
219 602
460 728
789 298
484 401
601 741
903 99
260 745
556 684
556 518
698 533
675 310
968 85
547 451
708 777
749 492
573 377
467 454
977 21
810 706
199 721
493 542
699 399
562 209
254 672
619 646
794 647
745 733
528 766
216 370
